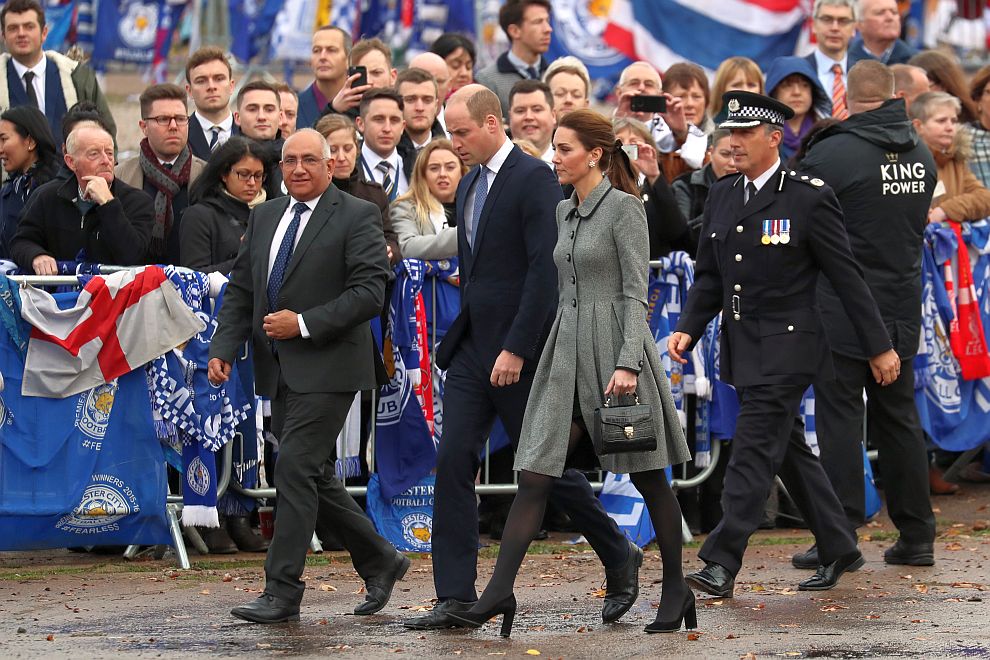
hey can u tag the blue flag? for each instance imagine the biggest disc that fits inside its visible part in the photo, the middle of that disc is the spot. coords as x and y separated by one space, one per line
128 30
406 518
251 23
626 507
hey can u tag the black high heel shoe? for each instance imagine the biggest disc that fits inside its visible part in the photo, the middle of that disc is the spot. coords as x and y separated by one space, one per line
469 619
688 614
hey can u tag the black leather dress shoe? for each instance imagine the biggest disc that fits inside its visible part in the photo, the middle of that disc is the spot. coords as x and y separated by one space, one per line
267 608
713 579
910 554
622 586
828 576
807 559
379 588
438 619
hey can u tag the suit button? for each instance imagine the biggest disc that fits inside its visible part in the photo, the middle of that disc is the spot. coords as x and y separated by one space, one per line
567 257
738 257
736 317
574 302
739 229
737 287
790 328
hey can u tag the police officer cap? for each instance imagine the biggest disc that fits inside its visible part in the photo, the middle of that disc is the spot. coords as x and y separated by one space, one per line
746 109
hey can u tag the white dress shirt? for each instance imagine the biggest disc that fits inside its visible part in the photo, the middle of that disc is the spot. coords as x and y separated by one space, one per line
547 156
226 126
824 64
761 180
493 166
370 162
283 226
39 78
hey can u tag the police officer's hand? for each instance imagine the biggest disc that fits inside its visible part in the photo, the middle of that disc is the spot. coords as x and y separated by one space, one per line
886 367
507 368
623 382
677 344
218 371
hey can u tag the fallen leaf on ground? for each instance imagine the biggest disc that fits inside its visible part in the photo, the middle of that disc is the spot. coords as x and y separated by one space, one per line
50 638
694 637
327 587
921 588
227 577
953 547
834 608
205 592
532 652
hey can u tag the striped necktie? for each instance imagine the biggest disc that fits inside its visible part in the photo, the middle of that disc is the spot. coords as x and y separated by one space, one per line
387 182
839 110
215 140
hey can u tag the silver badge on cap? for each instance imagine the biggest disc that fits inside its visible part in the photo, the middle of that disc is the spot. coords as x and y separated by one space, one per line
733 105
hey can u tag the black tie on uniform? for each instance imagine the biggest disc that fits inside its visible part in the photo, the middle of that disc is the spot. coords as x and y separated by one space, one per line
29 88
750 191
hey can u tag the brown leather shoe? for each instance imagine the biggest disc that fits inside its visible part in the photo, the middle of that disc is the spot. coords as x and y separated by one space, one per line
938 485
240 532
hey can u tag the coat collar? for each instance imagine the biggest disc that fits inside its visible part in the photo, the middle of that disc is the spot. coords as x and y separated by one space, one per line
590 204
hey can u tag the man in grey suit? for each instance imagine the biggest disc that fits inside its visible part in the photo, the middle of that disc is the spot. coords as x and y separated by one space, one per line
309 277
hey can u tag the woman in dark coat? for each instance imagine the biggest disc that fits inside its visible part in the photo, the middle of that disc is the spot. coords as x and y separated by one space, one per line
223 196
28 152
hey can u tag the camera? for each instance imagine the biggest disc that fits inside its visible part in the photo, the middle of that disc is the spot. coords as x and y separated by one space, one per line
647 103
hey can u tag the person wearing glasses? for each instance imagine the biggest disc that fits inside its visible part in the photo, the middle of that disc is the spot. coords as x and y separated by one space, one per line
834 26
224 194
305 285
164 167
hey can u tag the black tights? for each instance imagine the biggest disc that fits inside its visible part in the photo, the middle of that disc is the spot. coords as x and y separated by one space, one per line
526 516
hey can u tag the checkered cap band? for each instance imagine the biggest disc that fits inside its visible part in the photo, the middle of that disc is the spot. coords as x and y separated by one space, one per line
757 113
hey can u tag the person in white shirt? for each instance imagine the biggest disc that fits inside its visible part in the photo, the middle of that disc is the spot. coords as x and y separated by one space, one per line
531 116
210 83
834 26
437 67
381 124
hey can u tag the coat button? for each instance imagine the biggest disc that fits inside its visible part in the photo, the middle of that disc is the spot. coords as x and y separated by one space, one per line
790 328
641 363
739 229
736 317
573 302
572 235
738 257
737 287
573 280
567 257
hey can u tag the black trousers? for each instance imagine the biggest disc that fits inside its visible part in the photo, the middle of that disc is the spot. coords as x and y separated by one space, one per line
309 492
769 440
893 428
470 407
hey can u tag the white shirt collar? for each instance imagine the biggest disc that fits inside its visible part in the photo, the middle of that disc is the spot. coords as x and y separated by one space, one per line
372 159
547 156
226 125
311 203
38 69
521 66
761 180
824 63
498 159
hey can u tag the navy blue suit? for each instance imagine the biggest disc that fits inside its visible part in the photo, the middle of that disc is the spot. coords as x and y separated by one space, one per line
199 144
54 98
508 300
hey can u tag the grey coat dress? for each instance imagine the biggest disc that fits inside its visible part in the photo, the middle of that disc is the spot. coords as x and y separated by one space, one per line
602 258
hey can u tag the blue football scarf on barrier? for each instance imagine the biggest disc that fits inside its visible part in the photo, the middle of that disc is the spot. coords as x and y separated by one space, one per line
441 284
404 449
406 519
83 470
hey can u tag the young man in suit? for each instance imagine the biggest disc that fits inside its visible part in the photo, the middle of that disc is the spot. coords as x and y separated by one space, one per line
309 277
506 231
767 235
382 124
210 83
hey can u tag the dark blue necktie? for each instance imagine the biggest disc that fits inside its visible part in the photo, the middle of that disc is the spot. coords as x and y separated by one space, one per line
533 73
283 255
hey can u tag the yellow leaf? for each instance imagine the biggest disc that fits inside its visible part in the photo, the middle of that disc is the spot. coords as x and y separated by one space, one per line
327 587
532 652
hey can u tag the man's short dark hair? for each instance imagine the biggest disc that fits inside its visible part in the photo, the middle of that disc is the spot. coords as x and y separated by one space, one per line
528 86
207 54
416 76
258 85
160 92
512 12
19 7
348 41
376 93
366 46
80 112
285 88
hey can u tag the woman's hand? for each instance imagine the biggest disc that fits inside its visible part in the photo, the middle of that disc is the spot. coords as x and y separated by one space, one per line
623 382
647 163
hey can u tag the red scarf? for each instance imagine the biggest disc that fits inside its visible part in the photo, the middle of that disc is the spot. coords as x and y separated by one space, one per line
966 337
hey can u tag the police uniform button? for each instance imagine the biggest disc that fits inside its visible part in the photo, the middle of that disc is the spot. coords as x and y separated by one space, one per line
738 257
714 234
739 229
737 287
567 257
736 317
790 328
793 173
572 235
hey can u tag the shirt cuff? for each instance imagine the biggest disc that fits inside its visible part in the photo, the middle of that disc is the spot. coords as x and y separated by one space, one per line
303 330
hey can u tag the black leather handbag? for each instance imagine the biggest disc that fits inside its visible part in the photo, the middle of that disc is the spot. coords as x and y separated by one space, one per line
623 429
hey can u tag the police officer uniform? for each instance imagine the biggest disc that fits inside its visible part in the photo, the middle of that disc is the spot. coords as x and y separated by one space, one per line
763 245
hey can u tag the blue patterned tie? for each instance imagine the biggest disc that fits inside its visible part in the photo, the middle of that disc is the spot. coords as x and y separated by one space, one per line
480 195
388 184
533 73
283 255
215 140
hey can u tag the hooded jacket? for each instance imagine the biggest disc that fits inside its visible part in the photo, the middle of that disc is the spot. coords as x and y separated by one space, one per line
821 102
884 177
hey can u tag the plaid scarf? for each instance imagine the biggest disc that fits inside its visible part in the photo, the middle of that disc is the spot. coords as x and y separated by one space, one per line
168 182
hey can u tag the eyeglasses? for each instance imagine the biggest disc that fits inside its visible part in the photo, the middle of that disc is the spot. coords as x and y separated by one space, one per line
309 162
835 20
165 120
247 176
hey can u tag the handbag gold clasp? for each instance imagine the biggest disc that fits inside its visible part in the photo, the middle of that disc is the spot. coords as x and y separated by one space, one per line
629 432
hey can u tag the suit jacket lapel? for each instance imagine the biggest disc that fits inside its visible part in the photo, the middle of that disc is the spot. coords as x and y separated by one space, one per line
496 188
317 220
197 139
461 213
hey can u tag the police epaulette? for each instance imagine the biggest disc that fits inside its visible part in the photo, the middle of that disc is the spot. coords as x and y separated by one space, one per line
805 178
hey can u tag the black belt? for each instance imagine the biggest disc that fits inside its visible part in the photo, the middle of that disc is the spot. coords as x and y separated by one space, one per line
749 305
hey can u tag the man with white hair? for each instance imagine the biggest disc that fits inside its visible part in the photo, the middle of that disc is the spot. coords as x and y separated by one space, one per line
306 283
879 24
92 213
